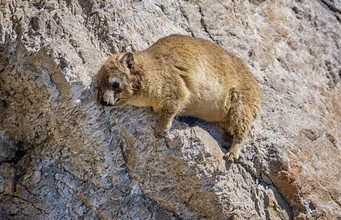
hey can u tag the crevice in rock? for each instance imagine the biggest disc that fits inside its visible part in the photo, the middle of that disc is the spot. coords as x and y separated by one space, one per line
330 6
257 2
29 201
333 140
338 202
278 192
203 23
336 11
269 183
184 14
19 154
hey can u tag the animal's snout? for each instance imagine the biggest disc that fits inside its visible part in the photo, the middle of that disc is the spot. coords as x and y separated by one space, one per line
103 102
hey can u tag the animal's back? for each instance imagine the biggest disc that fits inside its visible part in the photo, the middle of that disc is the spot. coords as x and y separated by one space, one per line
209 72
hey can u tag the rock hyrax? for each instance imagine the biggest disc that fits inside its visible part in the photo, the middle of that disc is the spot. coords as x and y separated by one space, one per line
182 75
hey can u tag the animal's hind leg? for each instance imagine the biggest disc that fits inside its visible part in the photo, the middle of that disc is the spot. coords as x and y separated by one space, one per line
238 125
234 151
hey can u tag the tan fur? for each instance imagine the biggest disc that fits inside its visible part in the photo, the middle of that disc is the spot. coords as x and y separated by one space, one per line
187 76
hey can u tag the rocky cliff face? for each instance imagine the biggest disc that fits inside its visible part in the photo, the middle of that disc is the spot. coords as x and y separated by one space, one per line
62 156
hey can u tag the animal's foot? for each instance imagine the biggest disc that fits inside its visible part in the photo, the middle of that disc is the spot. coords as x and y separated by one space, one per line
231 156
159 132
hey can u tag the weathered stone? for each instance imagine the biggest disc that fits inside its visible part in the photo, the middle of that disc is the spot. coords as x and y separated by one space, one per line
63 156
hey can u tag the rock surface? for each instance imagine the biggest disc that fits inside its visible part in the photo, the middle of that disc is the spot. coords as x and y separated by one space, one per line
62 156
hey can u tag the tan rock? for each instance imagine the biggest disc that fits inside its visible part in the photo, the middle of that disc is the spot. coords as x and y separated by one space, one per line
64 156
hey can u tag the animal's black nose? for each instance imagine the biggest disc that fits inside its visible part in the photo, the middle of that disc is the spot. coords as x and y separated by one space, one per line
103 102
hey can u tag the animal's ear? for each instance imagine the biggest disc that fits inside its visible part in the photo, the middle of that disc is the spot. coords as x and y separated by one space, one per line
128 60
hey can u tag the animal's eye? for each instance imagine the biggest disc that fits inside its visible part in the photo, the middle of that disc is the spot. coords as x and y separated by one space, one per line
115 85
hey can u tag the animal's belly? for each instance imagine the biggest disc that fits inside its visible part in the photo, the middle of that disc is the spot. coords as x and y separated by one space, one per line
205 111
207 96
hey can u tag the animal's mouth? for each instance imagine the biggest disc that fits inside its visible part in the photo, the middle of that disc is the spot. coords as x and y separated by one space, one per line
116 101
109 104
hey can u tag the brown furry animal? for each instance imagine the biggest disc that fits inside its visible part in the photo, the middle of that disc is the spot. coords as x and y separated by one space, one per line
187 76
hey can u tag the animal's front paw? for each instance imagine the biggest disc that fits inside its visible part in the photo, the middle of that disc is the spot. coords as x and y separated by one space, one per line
160 132
231 156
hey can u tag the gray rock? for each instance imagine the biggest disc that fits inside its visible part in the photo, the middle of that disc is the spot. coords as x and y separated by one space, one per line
63 156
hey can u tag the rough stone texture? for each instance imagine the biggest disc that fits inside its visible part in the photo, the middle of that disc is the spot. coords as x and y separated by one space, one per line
62 156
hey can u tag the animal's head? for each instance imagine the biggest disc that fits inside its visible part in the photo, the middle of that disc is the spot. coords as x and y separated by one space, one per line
114 80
